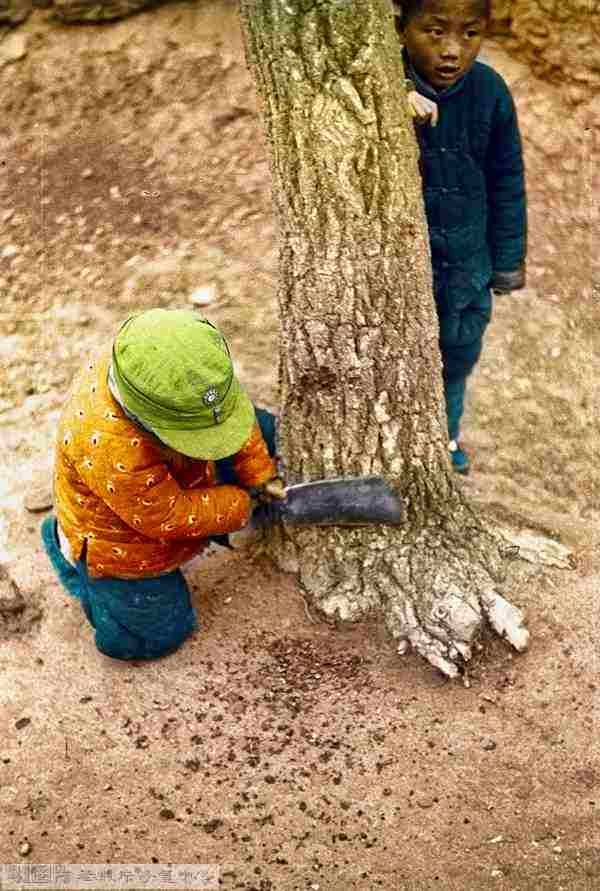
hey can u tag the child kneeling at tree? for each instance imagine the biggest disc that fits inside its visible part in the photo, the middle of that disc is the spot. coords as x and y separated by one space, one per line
137 490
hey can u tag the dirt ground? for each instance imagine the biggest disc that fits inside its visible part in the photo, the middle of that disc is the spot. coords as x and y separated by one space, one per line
133 173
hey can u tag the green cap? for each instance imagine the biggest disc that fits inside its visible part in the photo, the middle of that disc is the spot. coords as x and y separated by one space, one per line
174 372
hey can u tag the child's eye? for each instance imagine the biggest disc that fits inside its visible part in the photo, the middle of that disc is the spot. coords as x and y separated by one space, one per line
473 33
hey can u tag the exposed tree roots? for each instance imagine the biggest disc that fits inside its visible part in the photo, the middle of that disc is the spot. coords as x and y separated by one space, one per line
436 589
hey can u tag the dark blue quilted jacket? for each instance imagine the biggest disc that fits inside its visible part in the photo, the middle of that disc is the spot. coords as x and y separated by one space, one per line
474 190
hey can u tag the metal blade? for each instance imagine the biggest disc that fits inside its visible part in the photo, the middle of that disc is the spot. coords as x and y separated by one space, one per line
359 501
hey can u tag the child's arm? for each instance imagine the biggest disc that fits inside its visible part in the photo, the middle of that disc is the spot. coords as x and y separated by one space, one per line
253 465
145 495
507 205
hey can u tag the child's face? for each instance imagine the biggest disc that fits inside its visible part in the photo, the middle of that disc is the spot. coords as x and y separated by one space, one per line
443 40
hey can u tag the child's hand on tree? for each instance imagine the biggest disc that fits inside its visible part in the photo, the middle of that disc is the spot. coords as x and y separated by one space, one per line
423 110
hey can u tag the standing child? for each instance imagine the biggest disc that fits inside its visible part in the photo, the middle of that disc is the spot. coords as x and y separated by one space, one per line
136 492
473 181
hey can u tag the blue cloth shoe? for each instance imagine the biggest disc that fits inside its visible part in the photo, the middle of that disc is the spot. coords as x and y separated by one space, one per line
459 458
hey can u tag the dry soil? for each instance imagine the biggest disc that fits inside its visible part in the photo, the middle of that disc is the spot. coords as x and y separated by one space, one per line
133 173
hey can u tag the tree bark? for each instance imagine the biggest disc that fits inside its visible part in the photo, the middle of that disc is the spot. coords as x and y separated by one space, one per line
360 370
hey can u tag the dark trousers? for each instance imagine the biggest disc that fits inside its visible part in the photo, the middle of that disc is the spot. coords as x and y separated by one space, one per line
461 342
132 618
454 392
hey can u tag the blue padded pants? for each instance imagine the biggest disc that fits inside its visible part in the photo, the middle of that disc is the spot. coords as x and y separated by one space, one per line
132 618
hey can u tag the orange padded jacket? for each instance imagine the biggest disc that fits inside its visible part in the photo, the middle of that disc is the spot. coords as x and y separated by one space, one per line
142 508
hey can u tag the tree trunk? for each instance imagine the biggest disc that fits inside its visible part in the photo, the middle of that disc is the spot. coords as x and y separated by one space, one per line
360 371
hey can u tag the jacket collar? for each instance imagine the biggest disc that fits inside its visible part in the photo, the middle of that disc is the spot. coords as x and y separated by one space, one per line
425 88
114 392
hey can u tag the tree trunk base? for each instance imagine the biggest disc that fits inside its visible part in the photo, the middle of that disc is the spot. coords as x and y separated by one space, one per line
436 589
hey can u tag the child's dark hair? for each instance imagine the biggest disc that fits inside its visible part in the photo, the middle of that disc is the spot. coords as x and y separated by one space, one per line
404 10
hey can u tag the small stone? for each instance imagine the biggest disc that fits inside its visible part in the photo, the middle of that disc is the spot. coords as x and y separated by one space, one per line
227 600
9 251
557 849
496 873
88 248
108 787
137 219
488 745
7 214
11 599
204 296
38 498
496 840
166 814
555 352
87 173
115 192
25 849
22 722
13 48
426 801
